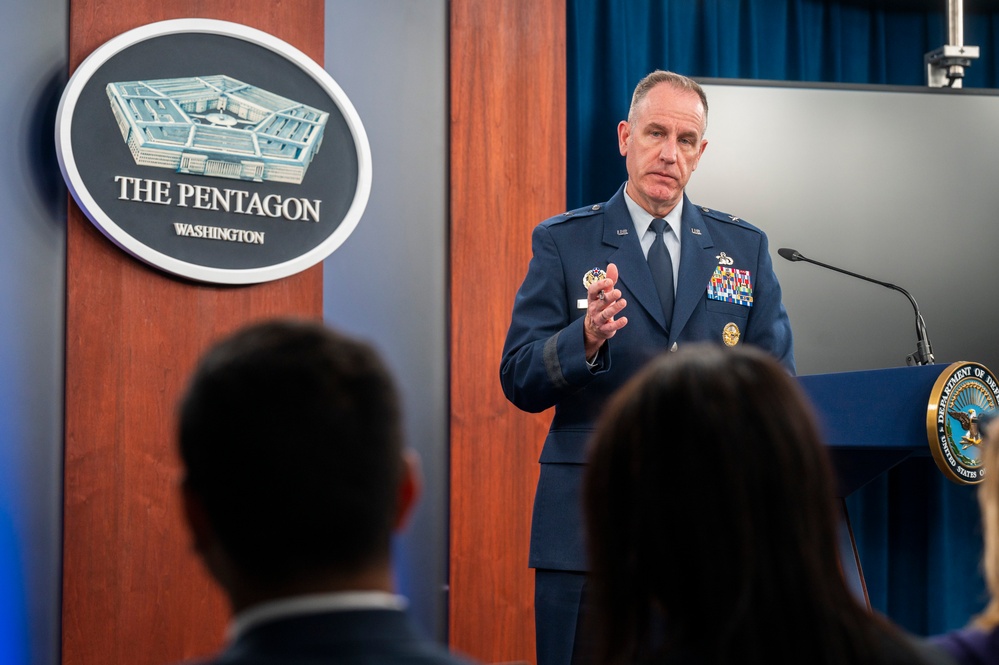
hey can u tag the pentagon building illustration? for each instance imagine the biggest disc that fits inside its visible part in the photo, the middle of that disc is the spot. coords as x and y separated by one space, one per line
217 126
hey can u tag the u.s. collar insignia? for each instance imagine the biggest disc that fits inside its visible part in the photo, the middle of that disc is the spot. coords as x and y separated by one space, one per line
724 260
695 231
622 232
593 275
731 334
962 394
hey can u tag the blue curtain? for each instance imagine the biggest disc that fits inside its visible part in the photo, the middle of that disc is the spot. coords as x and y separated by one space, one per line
613 43
918 534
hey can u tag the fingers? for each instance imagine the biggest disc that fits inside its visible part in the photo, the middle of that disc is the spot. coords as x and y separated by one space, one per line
612 272
604 290
604 305
601 319
598 290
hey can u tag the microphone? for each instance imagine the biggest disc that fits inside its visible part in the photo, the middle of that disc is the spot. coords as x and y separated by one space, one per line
790 254
924 352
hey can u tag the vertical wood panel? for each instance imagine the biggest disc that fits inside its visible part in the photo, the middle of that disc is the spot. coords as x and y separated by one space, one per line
507 174
133 591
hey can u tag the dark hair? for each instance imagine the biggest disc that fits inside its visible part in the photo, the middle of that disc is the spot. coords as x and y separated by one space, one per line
290 434
711 521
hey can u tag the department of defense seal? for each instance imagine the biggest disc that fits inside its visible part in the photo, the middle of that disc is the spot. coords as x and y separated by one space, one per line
963 392
731 334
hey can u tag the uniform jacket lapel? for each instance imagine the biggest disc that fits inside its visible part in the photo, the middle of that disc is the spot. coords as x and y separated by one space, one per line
633 269
697 263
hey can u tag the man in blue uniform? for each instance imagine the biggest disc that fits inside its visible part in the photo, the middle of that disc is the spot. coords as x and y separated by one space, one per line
608 287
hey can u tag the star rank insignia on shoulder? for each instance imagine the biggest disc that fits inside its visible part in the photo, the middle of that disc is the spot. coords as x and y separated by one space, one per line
721 216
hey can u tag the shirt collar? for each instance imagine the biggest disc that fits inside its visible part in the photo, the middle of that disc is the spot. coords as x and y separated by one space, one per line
641 218
312 604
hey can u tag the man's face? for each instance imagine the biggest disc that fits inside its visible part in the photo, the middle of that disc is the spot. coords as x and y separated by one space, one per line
662 144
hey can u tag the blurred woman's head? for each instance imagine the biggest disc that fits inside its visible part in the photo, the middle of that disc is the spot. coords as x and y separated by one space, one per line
711 518
988 501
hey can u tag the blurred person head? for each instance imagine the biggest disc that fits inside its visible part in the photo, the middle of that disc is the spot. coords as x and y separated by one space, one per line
711 521
295 474
988 501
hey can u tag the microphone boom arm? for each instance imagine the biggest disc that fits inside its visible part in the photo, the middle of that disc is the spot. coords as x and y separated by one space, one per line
924 352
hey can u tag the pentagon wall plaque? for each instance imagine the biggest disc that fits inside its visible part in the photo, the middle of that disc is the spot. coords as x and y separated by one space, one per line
213 151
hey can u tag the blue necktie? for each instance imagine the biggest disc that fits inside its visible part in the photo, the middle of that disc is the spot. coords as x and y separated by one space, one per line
662 270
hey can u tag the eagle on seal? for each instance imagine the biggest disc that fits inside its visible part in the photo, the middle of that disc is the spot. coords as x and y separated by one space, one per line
969 421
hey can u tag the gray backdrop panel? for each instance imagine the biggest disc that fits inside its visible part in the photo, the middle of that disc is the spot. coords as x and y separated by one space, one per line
894 184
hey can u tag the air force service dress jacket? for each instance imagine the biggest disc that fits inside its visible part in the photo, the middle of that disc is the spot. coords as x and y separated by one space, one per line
725 286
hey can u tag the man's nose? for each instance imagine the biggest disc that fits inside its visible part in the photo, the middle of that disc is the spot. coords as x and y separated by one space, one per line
668 150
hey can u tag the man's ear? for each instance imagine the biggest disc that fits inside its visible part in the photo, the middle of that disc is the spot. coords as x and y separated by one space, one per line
410 487
623 135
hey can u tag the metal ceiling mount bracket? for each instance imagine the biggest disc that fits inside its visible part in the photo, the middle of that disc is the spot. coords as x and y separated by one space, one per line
945 66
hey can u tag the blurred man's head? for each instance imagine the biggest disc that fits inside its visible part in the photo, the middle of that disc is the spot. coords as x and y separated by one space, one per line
295 474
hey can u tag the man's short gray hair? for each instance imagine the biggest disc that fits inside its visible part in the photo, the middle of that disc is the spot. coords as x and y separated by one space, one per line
672 79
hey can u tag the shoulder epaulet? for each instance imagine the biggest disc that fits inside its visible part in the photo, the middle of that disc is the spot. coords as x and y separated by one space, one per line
585 211
721 216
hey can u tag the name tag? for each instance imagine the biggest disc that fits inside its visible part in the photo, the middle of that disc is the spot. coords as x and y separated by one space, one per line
581 304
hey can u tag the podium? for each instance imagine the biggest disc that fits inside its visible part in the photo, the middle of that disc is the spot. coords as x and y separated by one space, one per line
871 420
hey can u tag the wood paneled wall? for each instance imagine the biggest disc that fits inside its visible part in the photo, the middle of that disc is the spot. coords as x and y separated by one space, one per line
507 174
133 591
